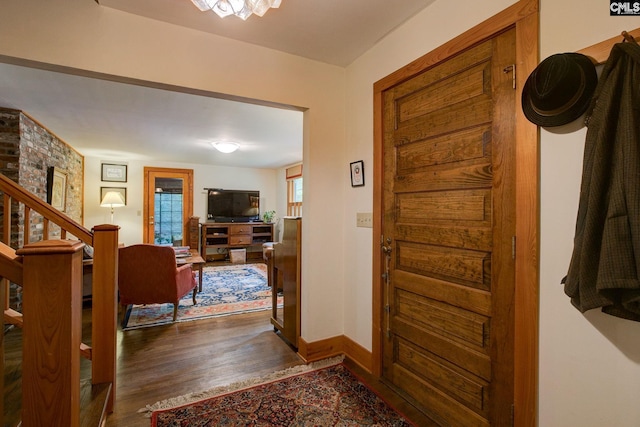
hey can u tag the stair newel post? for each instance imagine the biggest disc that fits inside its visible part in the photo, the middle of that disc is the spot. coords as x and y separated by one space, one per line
52 332
105 307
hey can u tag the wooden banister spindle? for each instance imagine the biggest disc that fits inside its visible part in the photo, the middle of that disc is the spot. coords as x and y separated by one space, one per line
6 219
104 307
26 226
6 238
45 229
52 309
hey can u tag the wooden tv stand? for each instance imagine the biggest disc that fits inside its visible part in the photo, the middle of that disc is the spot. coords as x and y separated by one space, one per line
233 235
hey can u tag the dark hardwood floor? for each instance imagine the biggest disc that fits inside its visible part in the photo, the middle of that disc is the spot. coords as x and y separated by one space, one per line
168 361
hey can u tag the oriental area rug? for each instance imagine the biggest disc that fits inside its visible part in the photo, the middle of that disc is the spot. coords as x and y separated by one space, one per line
318 396
229 289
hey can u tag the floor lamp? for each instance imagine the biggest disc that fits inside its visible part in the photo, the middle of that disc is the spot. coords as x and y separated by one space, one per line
113 199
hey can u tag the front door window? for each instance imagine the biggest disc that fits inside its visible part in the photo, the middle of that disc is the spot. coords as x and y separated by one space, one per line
168 206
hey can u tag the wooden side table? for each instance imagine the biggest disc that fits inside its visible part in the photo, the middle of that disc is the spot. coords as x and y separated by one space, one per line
196 261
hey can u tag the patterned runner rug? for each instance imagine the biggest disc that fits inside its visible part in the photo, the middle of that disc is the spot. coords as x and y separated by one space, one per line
319 396
226 290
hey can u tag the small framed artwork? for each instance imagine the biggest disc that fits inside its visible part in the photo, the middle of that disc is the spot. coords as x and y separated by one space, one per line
57 188
114 172
121 190
357 173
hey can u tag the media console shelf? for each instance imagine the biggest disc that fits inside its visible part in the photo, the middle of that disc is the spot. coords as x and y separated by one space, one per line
232 235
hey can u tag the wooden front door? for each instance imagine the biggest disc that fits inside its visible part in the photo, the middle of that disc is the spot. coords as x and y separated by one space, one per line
161 180
448 233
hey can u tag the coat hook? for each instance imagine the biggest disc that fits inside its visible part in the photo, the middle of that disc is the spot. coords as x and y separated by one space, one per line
628 37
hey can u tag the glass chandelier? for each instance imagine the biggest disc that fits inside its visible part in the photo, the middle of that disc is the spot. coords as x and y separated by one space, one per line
240 8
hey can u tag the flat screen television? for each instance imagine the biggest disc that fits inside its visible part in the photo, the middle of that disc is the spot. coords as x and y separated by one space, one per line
233 205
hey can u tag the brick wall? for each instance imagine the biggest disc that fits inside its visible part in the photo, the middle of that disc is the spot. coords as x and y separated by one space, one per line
27 150
9 143
10 161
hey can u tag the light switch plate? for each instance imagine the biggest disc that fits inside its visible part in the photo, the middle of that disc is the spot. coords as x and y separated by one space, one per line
364 219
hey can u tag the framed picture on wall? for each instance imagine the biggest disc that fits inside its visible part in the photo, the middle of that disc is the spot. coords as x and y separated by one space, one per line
114 172
357 173
57 188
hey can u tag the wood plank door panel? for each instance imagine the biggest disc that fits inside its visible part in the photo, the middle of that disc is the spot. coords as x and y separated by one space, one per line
449 220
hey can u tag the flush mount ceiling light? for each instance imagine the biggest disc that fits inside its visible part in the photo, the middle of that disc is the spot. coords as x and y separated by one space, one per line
225 146
241 8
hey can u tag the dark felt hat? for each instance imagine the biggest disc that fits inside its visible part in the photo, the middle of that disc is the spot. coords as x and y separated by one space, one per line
559 90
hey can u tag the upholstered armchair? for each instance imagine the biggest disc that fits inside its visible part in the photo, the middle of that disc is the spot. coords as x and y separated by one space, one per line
147 274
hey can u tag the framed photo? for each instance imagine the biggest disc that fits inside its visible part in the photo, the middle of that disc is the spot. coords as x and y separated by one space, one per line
57 188
357 173
114 172
121 190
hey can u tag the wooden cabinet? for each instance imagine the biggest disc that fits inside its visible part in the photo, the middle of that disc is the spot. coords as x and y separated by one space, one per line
240 235
217 237
286 280
193 233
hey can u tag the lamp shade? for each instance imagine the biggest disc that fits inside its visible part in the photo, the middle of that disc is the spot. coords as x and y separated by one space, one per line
112 199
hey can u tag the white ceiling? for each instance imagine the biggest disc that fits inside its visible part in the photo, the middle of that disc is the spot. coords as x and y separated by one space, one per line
114 120
110 120
331 31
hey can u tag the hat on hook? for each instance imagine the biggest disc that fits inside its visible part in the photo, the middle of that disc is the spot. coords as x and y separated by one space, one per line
559 90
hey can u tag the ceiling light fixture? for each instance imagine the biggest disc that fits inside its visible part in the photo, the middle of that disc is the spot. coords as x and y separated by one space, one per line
226 147
241 8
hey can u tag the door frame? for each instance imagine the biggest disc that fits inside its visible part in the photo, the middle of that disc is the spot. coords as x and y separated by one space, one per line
524 17
187 198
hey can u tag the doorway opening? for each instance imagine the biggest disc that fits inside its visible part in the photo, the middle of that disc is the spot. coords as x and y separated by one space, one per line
168 205
168 208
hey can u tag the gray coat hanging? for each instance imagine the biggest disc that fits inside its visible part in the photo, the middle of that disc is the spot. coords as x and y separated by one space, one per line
605 265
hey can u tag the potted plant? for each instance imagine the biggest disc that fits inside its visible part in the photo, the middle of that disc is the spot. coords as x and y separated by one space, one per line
269 216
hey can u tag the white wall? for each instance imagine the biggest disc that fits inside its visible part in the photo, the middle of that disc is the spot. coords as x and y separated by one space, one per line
589 364
84 35
130 218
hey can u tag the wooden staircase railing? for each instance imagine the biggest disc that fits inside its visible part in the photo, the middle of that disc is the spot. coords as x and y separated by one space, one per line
50 272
